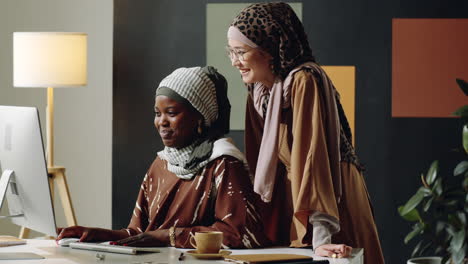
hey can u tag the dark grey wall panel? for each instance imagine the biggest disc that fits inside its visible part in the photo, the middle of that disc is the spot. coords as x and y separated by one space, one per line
152 38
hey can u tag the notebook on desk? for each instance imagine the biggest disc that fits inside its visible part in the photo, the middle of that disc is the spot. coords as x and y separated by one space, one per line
269 258
113 248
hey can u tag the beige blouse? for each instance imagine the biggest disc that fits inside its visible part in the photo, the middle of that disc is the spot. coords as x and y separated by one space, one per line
304 185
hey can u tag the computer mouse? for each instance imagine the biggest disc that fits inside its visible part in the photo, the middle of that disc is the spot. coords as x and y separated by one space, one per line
65 242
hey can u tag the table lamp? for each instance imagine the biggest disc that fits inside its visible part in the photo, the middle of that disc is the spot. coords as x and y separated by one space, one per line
51 59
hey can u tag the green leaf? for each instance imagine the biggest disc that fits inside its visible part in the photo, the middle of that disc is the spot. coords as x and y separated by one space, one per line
461 168
428 204
463 86
425 191
447 260
432 172
416 249
438 250
439 227
462 217
412 202
459 256
450 229
461 111
424 249
457 240
465 138
411 216
451 203
417 229
437 187
465 183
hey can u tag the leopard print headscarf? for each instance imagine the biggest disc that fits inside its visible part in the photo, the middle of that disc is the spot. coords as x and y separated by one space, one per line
277 30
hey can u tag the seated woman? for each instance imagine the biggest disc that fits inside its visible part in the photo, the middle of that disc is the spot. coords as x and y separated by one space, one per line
199 182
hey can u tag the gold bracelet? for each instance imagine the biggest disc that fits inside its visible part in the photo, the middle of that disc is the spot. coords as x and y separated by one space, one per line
172 236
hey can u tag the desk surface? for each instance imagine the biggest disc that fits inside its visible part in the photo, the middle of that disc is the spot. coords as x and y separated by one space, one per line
65 255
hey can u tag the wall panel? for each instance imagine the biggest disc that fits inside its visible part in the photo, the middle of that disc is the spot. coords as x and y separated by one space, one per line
154 37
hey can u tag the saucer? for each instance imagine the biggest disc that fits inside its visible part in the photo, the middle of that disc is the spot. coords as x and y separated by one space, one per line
218 255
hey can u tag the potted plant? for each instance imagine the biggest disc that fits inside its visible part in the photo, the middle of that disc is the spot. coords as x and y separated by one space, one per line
439 208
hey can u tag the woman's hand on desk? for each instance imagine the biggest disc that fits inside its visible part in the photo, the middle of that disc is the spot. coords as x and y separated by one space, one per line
156 238
333 251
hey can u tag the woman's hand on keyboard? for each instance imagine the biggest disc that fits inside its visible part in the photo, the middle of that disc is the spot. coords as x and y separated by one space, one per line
90 234
156 238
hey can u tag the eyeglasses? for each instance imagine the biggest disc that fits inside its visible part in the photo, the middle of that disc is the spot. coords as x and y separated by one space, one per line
236 54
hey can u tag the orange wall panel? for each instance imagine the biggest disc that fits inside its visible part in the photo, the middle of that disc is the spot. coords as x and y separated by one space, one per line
427 56
344 79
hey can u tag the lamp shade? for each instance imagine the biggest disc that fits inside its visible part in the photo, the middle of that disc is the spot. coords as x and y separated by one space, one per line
49 59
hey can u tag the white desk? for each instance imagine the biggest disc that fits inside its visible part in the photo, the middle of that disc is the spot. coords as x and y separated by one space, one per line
65 255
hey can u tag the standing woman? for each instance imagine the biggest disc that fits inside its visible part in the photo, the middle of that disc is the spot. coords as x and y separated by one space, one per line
297 138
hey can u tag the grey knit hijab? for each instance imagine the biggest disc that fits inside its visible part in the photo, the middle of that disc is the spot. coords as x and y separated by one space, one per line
206 91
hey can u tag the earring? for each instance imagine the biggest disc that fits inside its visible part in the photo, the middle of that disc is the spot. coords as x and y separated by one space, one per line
200 128
272 66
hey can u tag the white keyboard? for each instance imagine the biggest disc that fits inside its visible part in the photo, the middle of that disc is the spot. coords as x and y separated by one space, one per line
103 247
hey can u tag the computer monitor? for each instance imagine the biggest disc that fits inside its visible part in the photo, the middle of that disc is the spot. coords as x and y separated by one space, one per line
24 181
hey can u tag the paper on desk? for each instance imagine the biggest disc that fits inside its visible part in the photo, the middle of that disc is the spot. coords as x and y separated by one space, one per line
19 255
11 241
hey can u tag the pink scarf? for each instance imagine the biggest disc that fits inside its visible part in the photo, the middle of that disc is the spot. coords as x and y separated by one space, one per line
265 173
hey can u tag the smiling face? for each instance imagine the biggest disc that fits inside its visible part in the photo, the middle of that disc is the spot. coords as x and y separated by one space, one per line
176 122
254 66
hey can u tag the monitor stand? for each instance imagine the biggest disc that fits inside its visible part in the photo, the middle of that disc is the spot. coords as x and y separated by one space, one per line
14 202
8 180
56 175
